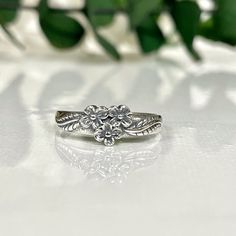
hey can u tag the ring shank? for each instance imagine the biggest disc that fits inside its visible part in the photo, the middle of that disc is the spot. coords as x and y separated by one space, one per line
142 123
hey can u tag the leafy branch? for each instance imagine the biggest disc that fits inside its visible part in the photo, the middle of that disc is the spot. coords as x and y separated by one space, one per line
64 31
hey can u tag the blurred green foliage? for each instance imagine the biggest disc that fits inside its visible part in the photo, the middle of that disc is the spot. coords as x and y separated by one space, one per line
64 31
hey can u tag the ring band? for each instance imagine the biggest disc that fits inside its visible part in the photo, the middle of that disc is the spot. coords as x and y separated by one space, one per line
109 124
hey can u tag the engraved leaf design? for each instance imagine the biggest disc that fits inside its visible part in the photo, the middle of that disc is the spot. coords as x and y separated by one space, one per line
143 127
69 121
142 123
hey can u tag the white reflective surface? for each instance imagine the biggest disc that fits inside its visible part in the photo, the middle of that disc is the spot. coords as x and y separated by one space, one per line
183 184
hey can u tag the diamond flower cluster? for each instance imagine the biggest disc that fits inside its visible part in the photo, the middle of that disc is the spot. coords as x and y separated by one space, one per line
107 123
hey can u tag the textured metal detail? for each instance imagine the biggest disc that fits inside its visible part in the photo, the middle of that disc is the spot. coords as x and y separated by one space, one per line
69 121
109 124
145 126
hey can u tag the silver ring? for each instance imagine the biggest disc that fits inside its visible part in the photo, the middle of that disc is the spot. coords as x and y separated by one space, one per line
109 124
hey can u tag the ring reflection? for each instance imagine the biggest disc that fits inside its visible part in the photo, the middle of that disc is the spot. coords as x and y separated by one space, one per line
112 164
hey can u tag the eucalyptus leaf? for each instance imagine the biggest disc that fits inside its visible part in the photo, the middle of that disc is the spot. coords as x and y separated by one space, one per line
140 9
121 3
96 16
62 31
108 47
207 30
149 35
12 37
97 20
222 25
8 15
225 20
186 15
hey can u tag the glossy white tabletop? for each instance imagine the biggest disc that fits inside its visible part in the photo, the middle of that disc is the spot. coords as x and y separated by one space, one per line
182 184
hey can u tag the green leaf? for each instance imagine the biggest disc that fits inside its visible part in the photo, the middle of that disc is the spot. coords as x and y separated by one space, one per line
221 27
186 15
13 39
206 29
121 3
8 15
62 31
97 20
225 19
149 35
43 7
140 9
108 47
98 17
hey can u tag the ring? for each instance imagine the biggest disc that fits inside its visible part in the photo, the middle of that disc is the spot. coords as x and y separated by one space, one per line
109 124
